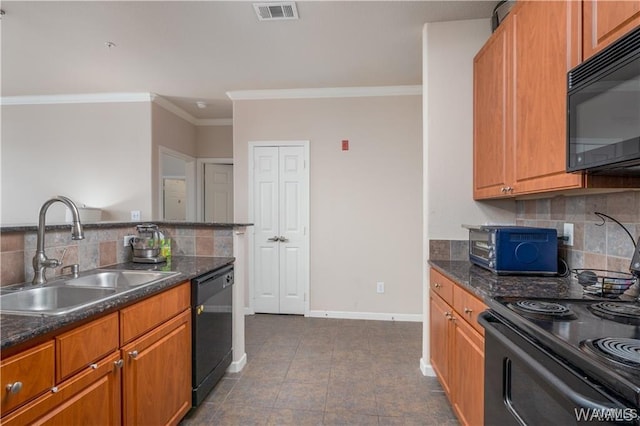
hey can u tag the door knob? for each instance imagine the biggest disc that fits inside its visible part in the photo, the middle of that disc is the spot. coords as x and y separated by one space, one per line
274 239
284 240
133 354
14 387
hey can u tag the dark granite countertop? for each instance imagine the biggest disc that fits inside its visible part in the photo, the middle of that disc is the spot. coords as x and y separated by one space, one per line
117 224
19 329
487 285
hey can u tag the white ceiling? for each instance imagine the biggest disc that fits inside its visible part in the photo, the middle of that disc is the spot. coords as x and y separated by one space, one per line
197 51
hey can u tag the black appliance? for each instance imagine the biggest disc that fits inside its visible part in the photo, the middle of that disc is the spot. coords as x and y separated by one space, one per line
554 361
211 310
603 110
514 250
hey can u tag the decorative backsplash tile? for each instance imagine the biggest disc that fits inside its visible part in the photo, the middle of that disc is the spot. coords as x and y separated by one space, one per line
100 248
597 245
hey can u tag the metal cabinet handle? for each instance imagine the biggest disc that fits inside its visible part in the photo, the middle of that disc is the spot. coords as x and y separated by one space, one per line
119 363
447 314
452 318
274 239
283 239
94 366
436 285
467 310
14 387
133 354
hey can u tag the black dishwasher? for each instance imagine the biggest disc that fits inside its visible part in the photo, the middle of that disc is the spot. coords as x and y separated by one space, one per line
211 303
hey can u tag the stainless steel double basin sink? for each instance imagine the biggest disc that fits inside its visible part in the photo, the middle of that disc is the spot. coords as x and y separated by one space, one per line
63 296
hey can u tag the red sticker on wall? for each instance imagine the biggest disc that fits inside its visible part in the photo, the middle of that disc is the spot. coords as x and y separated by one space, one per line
345 145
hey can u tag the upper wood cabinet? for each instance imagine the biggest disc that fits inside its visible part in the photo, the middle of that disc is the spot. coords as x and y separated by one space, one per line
604 21
520 103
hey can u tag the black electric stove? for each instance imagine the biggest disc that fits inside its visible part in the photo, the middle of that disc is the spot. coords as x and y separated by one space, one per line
582 358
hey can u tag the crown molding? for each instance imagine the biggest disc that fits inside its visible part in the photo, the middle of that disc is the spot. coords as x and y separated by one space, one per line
214 122
328 92
171 107
85 98
99 98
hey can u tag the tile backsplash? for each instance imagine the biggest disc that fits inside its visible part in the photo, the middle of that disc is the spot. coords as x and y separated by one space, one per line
100 248
597 245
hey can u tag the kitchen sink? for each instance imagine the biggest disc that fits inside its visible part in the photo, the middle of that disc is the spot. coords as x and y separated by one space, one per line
66 295
56 300
118 279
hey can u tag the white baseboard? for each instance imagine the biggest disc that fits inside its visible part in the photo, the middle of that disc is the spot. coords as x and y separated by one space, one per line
427 369
237 366
249 311
379 316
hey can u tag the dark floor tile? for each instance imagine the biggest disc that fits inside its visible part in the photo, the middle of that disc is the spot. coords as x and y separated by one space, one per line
355 396
348 418
200 416
286 417
218 395
309 370
302 396
275 353
235 415
352 370
266 370
256 393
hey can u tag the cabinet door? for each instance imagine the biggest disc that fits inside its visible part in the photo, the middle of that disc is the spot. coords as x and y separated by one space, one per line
157 374
468 374
606 21
491 105
540 65
91 397
439 339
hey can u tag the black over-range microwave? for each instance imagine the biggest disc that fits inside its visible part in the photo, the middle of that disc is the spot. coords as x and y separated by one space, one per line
603 110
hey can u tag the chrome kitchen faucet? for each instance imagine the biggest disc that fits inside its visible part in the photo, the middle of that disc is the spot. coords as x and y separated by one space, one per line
40 260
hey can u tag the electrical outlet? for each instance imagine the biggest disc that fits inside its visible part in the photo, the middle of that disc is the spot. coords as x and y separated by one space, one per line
380 287
568 234
127 239
135 214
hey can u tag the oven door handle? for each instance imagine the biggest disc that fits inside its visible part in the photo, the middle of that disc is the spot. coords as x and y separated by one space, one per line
559 386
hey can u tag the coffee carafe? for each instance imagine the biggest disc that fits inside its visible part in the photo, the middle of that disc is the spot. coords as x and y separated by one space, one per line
147 245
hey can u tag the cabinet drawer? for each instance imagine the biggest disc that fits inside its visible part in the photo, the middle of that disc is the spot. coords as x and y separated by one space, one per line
86 344
468 307
144 316
33 369
442 286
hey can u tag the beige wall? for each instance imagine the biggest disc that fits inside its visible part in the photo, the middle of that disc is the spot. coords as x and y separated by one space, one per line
173 132
214 141
449 51
365 204
97 154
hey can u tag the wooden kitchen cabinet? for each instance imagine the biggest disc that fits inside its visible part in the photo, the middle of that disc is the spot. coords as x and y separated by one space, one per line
157 374
457 348
128 367
29 374
520 103
91 397
156 338
605 21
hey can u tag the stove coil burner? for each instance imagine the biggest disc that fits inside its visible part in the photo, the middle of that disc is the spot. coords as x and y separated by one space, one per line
540 309
619 350
626 313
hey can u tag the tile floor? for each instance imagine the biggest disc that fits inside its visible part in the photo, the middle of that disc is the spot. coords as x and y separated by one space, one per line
314 371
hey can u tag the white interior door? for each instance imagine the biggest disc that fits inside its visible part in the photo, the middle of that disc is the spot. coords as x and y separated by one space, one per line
218 193
175 195
280 247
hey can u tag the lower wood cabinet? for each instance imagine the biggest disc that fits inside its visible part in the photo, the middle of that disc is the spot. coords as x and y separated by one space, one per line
91 397
93 375
155 387
457 347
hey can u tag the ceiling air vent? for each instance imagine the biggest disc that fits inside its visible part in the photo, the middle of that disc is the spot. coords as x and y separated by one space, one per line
276 11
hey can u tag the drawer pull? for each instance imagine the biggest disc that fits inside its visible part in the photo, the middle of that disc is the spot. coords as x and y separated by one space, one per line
14 387
119 363
452 318
94 366
54 389
133 354
437 285
467 310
